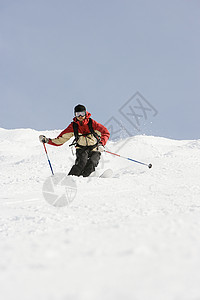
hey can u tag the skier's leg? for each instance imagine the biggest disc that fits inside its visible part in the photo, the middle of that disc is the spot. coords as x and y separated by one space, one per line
80 163
92 163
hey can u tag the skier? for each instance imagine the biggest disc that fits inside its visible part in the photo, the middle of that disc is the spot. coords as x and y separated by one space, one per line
90 139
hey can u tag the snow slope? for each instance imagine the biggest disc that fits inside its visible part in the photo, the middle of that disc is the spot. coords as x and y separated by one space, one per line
134 236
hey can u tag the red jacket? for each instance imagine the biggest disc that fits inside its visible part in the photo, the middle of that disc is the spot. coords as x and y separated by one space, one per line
87 140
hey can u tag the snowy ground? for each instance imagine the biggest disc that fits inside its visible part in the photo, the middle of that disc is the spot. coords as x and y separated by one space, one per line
135 236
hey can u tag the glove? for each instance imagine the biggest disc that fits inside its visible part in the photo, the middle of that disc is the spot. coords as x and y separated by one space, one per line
43 139
100 148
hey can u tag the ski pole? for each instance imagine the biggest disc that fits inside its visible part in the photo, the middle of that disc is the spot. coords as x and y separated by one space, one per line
139 162
48 158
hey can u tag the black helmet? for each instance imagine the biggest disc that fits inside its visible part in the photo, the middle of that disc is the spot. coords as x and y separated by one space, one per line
79 108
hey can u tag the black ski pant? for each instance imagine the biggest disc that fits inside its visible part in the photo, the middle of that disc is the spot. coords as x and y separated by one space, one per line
86 162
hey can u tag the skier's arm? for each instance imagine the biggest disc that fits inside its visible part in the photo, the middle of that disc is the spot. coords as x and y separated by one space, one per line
102 131
63 137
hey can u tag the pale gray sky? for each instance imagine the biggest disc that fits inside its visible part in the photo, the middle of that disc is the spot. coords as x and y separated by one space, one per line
55 54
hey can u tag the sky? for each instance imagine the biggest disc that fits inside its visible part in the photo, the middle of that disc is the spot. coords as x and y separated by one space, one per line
135 65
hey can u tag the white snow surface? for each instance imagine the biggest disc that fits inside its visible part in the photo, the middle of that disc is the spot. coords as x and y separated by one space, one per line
135 236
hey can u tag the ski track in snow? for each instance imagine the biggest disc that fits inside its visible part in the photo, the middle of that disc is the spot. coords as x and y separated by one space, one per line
134 236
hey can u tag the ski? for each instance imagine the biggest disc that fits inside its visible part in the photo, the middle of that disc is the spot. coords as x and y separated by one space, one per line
108 173
105 174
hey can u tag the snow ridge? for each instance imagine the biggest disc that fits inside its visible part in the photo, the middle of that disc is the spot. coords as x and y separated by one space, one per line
133 236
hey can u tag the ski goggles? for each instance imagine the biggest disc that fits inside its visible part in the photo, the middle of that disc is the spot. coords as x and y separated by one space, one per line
80 114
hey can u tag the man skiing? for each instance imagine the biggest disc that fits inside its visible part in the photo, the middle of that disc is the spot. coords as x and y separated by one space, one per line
90 139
